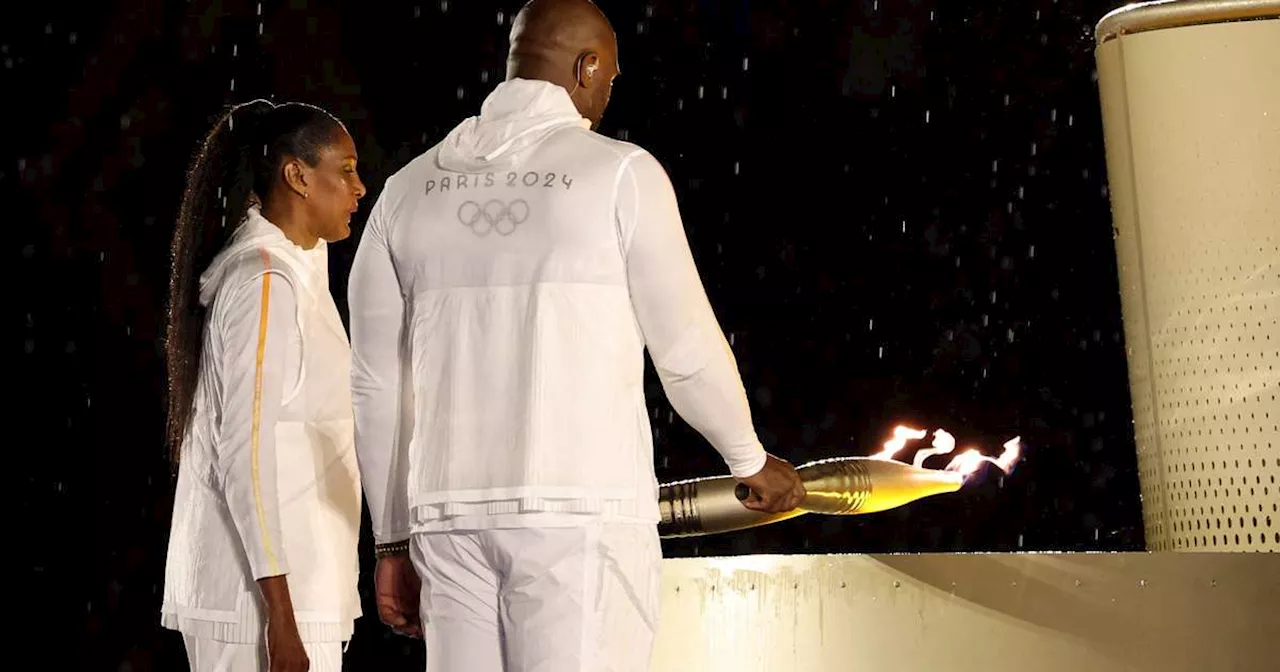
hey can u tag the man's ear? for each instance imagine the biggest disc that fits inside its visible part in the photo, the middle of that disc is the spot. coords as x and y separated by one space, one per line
588 65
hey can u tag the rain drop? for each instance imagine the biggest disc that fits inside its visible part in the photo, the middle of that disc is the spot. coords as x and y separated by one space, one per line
745 63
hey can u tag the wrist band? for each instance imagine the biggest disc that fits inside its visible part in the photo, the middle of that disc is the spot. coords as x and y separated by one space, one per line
391 548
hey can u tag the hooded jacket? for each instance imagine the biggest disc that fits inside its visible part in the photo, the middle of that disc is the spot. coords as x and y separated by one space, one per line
268 481
502 297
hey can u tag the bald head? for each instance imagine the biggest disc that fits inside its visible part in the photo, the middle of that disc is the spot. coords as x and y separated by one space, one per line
569 43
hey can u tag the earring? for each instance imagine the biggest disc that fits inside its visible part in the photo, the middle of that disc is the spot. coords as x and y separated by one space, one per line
305 195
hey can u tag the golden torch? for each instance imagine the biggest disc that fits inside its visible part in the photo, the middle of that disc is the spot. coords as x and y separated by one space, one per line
840 487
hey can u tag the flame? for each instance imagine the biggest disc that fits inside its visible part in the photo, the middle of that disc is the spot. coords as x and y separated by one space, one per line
968 462
901 434
943 444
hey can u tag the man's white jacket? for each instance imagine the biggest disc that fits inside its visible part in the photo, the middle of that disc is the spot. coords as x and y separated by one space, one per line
503 294
268 481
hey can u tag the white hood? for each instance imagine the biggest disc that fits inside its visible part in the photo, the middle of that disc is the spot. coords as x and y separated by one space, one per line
257 231
516 116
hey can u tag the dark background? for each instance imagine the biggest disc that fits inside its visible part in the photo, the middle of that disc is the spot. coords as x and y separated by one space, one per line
899 209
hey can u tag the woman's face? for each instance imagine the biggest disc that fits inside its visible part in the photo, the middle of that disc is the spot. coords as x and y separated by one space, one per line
335 190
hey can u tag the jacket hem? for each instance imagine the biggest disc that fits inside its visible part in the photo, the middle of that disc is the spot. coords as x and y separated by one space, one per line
227 626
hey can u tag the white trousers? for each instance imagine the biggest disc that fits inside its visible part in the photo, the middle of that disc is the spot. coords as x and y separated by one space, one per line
209 655
574 599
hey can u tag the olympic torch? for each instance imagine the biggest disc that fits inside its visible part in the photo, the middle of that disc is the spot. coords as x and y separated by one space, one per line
841 487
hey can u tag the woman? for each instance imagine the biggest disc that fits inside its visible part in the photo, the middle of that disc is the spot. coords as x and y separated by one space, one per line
262 564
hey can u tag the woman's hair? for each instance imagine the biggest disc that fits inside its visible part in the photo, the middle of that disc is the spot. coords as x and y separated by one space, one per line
234 168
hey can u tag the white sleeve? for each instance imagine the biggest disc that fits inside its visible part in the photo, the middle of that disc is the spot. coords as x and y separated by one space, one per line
694 362
256 321
381 388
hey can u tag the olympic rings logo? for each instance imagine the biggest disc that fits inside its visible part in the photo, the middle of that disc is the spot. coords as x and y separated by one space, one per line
494 215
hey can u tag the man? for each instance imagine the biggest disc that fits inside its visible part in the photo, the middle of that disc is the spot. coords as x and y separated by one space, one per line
502 296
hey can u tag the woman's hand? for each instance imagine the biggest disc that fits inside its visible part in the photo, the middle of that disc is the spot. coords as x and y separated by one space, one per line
285 652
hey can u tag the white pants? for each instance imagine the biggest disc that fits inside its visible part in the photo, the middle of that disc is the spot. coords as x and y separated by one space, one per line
208 655
574 599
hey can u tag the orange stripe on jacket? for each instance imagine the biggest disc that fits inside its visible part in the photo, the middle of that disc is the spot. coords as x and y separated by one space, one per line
255 433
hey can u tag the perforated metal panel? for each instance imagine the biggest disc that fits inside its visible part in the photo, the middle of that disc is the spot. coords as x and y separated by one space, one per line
1192 121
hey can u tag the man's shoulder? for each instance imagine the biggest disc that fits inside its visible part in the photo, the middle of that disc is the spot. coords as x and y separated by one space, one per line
423 162
618 149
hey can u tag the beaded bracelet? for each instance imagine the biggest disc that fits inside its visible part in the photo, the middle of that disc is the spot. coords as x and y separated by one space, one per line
391 548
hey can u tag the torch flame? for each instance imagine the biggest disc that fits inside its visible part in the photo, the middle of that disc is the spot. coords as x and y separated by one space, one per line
968 462
943 444
901 434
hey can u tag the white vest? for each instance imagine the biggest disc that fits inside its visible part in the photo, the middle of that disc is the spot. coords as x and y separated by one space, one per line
209 590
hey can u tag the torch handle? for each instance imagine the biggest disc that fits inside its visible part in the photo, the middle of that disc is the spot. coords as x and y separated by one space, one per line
843 486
